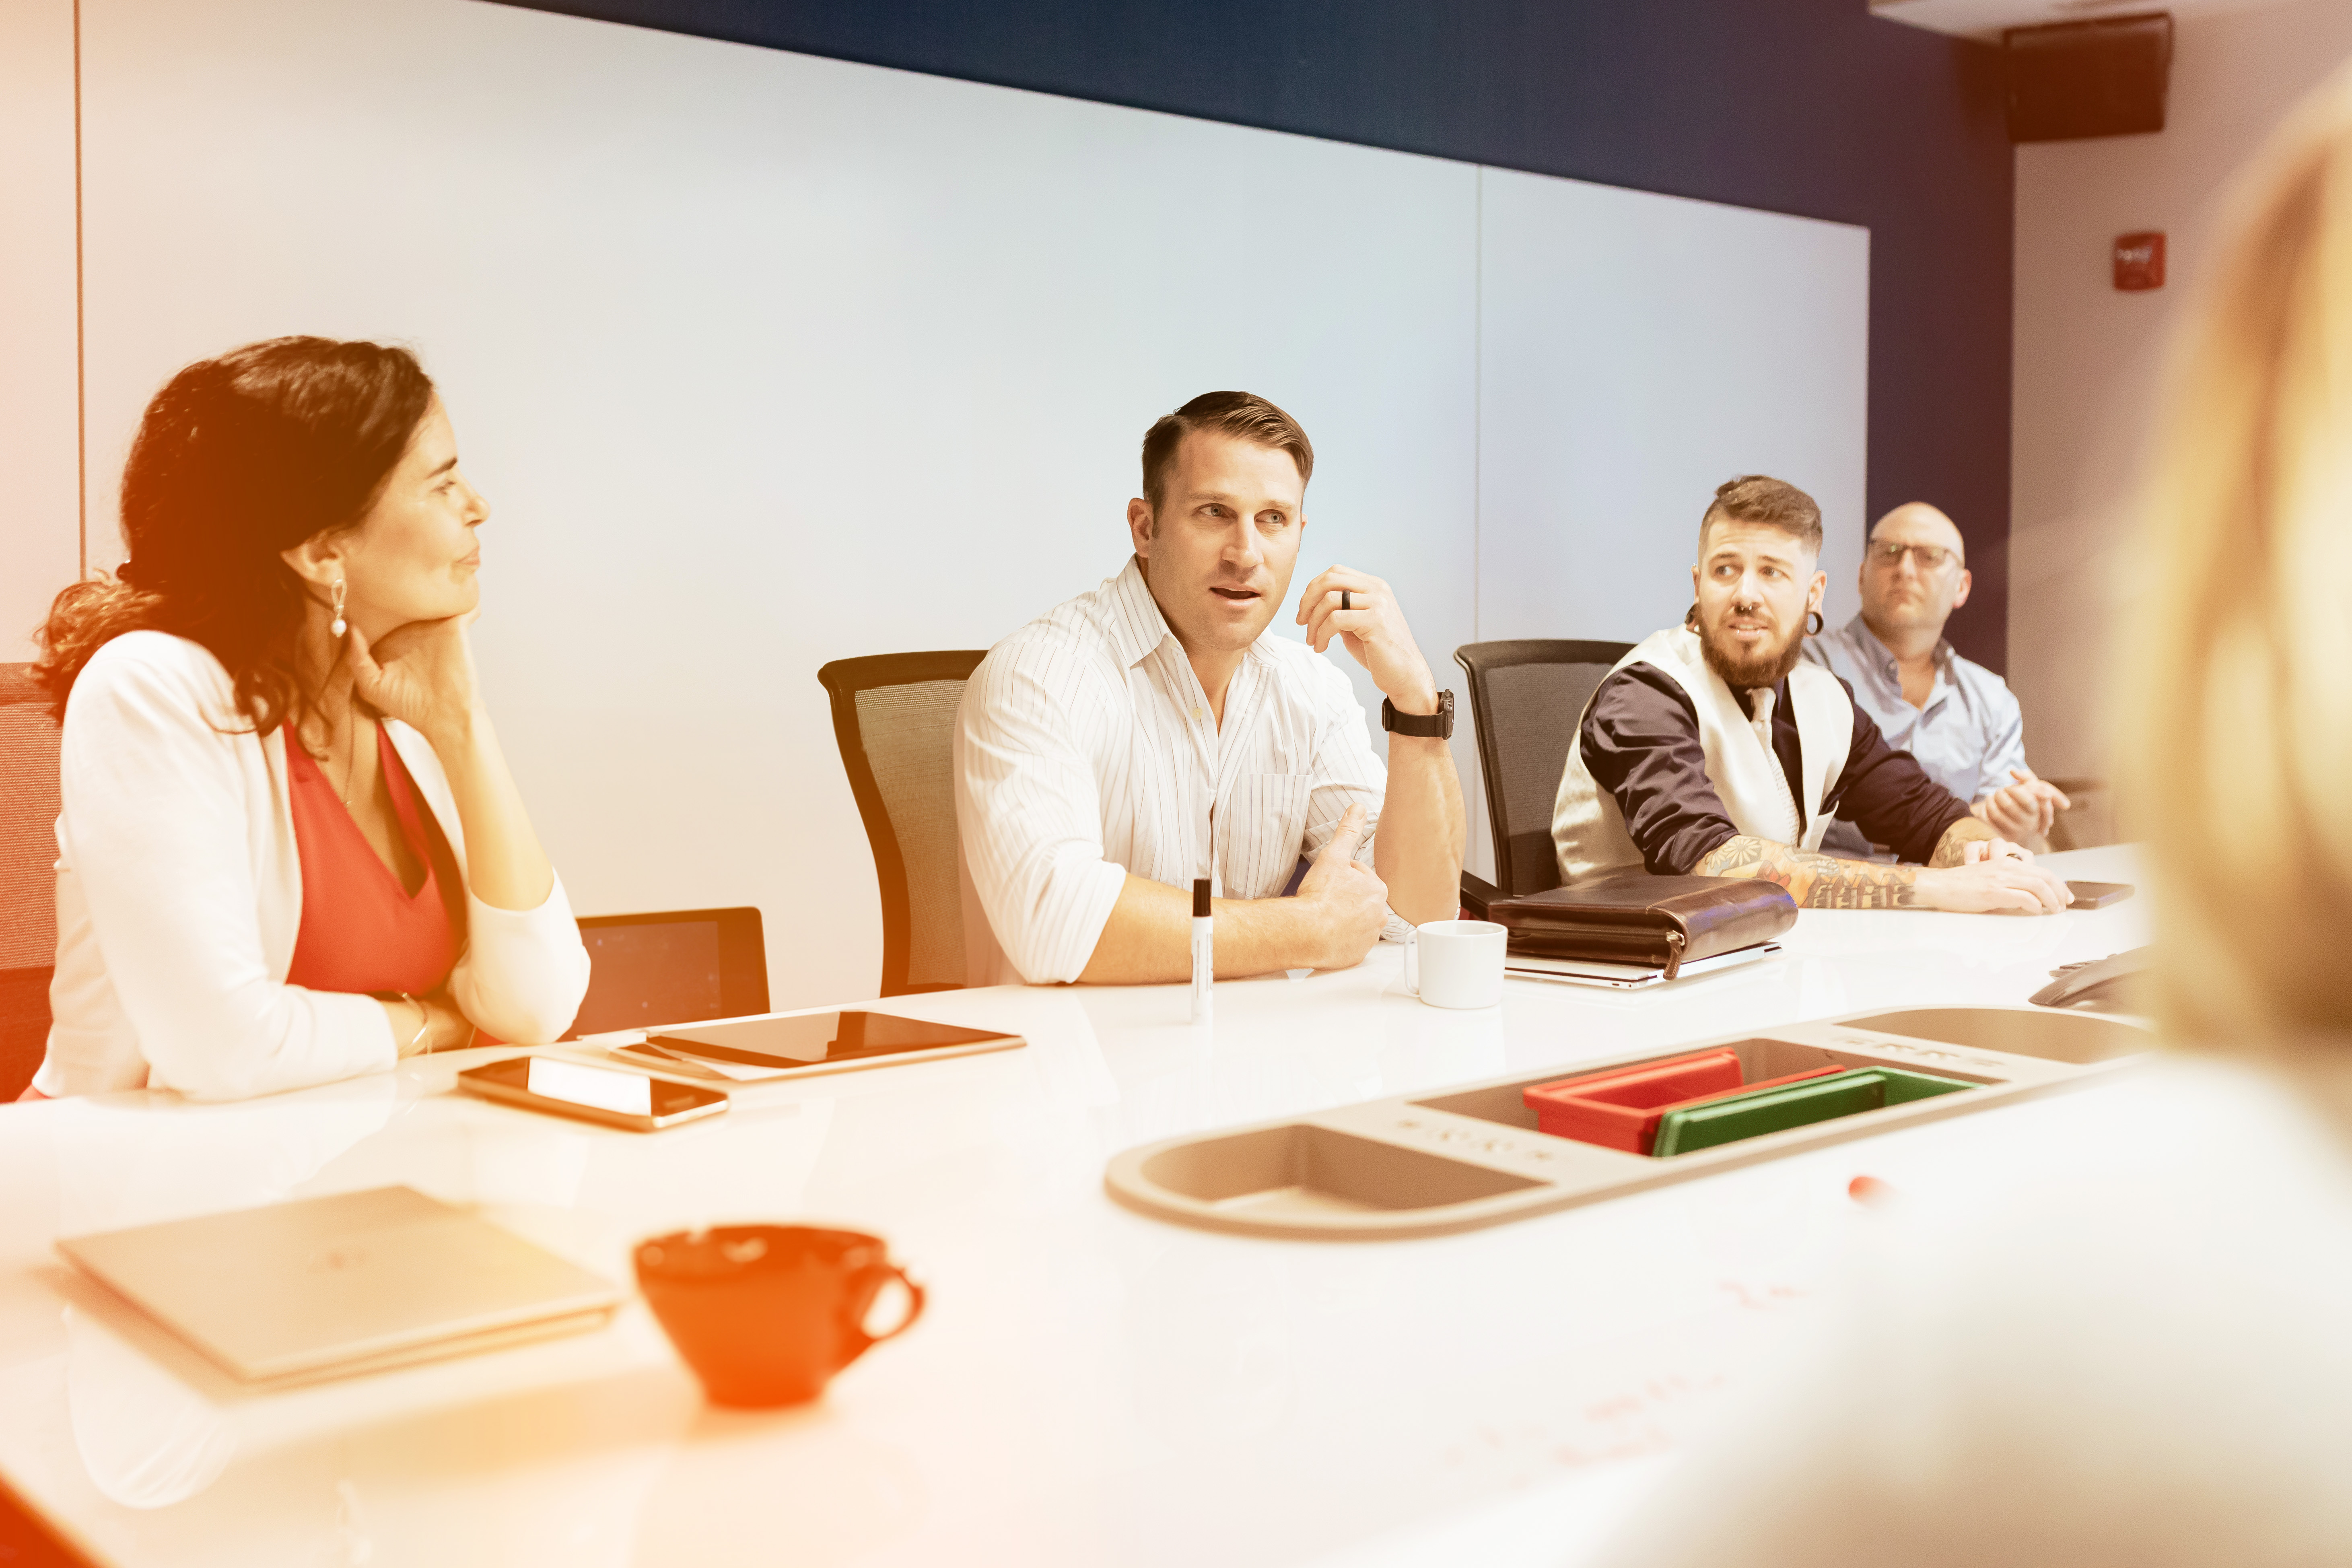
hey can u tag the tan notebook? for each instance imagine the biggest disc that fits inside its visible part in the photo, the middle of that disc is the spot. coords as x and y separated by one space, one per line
330 1287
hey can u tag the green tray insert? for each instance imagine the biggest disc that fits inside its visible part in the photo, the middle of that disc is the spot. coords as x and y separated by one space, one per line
1735 1117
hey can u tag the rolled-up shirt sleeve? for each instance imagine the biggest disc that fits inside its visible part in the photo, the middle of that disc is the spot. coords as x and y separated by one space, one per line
1888 796
1640 741
1030 816
1347 772
2004 743
525 972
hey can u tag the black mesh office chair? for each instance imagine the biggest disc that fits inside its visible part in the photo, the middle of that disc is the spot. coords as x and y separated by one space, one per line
2090 820
671 966
29 854
1526 699
894 716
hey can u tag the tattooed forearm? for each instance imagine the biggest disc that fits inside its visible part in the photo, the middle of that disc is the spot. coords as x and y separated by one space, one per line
1952 846
1816 881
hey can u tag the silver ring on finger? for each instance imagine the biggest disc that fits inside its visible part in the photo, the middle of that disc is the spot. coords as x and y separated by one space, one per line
1345 602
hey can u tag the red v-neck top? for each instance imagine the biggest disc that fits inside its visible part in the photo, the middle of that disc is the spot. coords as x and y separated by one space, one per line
362 931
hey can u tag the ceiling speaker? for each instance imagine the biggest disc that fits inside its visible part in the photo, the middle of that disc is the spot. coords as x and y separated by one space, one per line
2076 80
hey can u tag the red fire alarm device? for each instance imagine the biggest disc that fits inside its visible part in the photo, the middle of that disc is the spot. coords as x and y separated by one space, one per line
2139 260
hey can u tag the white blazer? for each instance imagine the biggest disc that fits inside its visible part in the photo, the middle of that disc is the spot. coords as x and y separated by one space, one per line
180 897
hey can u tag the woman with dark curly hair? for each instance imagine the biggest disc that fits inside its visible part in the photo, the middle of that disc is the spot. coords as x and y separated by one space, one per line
290 850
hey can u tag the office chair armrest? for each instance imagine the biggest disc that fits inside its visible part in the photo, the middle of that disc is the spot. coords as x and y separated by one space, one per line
1477 894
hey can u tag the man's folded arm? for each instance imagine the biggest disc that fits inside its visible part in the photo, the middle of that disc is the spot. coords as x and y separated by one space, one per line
1819 881
1030 816
1149 937
1892 800
1816 881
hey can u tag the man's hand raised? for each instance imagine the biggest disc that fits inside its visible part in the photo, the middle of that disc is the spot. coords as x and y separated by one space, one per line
2025 808
1373 628
1347 902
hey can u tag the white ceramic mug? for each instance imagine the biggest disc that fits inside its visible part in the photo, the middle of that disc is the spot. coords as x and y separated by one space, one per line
1455 964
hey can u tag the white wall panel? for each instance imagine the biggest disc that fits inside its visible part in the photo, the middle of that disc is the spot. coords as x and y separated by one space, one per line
2088 359
1637 350
767 360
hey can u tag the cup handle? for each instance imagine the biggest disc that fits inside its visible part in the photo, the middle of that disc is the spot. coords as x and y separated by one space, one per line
1413 961
857 1335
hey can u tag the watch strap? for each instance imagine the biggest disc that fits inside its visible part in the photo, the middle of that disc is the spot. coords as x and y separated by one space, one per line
1437 726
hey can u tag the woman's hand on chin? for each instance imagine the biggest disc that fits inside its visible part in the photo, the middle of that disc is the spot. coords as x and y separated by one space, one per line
421 674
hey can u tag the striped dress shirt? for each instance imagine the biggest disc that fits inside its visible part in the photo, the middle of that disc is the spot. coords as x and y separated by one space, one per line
1086 749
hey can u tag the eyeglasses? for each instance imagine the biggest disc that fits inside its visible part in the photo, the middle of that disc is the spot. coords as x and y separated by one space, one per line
1931 557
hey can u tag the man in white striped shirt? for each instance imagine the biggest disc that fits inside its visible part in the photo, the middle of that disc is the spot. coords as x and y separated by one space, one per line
1151 732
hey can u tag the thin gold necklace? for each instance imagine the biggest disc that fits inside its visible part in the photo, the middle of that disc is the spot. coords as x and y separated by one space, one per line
351 754
351 750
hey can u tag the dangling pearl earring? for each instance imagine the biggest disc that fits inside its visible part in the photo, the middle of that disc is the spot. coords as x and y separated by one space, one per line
339 591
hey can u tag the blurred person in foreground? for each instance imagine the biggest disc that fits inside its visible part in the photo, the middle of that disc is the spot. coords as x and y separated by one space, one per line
2141 1358
290 850
1957 718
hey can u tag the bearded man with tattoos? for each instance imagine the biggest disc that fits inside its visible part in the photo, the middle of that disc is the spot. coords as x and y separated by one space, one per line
1712 750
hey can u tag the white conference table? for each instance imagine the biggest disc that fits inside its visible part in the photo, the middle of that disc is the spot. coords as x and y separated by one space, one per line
1089 1386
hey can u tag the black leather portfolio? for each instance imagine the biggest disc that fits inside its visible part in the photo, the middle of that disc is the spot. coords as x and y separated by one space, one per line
1638 918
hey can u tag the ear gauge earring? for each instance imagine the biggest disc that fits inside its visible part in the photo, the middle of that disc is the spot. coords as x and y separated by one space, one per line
339 591
1814 630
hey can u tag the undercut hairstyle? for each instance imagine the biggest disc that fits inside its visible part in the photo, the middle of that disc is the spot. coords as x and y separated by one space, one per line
1772 504
1243 416
238 459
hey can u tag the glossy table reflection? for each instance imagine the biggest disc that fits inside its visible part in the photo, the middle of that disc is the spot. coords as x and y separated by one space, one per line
1089 1386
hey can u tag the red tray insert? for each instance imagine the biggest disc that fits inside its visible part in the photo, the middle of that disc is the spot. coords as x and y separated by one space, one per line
1620 1108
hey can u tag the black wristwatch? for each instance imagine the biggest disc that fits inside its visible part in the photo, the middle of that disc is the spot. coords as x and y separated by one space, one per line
1437 726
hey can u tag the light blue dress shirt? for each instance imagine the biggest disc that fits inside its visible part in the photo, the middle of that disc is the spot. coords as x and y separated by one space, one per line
1967 737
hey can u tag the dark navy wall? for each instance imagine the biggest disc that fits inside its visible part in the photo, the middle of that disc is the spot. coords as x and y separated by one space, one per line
1798 106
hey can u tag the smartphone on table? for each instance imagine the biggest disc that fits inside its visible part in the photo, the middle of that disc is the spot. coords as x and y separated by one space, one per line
2098 895
612 1096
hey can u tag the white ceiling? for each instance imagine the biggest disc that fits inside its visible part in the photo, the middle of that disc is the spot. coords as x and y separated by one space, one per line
1985 18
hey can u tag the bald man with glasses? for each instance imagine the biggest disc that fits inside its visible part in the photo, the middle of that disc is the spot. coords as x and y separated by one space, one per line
1957 718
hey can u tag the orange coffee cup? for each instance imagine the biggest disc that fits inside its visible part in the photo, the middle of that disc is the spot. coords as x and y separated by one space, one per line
765 1314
